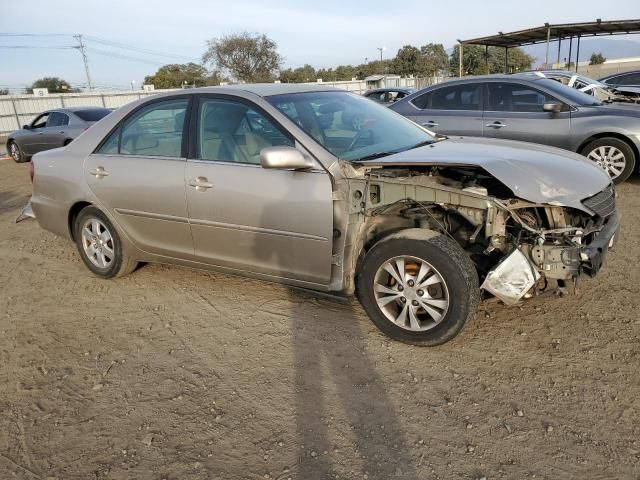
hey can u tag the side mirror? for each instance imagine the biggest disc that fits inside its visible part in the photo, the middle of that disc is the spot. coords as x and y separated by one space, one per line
26 127
552 107
285 158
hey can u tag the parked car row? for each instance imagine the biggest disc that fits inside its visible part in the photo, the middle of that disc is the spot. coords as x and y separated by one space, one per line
531 108
326 190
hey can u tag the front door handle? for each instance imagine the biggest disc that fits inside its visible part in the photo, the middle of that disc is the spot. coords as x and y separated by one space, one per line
430 123
496 125
98 172
200 183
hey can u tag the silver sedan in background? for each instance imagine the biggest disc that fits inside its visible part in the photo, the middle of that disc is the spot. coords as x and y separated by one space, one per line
533 109
52 129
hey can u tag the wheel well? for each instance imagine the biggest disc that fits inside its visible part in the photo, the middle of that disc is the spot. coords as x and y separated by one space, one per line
67 141
73 214
619 136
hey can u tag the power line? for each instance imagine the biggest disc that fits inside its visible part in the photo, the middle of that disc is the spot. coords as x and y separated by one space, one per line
36 46
2 34
122 56
126 46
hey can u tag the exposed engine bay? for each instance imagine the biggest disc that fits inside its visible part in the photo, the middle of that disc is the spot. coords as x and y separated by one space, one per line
520 249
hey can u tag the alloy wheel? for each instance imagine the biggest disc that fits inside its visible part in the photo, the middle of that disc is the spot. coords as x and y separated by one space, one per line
97 242
14 151
411 293
609 158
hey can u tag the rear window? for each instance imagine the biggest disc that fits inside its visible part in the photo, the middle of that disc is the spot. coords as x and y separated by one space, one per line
92 115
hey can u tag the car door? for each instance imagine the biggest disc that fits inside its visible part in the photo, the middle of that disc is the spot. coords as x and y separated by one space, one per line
276 223
137 174
54 134
34 140
514 111
450 109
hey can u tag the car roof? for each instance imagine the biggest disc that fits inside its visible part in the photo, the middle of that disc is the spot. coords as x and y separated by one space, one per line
267 89
74 109
390 89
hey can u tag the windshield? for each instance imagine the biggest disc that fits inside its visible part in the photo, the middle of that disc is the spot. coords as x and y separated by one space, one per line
575 97
349 126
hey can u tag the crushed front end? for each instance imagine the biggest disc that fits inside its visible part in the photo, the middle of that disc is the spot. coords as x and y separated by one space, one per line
520 248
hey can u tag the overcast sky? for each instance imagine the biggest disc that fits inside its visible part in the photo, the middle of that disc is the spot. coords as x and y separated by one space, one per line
320 32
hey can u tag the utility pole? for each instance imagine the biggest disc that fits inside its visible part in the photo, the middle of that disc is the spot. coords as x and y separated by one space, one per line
81 48
380 49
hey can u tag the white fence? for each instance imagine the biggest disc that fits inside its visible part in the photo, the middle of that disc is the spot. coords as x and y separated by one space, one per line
18 110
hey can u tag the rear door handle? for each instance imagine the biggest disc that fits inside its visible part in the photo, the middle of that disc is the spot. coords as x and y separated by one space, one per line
430 123
98 172
496 125
200 183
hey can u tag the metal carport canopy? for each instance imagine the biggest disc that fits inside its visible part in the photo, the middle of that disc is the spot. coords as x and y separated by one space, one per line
555 32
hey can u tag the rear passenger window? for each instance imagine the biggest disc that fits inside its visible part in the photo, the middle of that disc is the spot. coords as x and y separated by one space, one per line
57 119
155 130
234 132
455 97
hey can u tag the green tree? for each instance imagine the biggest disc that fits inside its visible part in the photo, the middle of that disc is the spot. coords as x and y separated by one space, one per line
53 84
408 61
597 59
435 59
298 75
176 75
475 60
246 57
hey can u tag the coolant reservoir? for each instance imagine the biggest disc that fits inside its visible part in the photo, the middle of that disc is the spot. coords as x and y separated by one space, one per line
476 190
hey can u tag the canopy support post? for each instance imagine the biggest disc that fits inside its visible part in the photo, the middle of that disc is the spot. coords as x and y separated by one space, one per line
559 43
568 65
577 53
546 58
486 57
506 60
460 55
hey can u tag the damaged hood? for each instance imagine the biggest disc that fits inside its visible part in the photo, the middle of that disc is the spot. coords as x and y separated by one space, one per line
536 173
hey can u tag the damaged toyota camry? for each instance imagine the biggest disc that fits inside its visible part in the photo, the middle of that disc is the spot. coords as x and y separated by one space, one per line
322 189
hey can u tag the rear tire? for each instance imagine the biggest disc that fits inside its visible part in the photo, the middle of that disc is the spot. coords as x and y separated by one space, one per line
16 152
100 246
613 155
439 293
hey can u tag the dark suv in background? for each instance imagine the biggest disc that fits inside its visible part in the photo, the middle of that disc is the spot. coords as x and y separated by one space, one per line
532 109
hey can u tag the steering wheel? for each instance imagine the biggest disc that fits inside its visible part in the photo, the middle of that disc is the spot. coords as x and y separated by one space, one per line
358 137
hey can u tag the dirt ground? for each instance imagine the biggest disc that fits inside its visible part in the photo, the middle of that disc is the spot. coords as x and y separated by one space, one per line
176 374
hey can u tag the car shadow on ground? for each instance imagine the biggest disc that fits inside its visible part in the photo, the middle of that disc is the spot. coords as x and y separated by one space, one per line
335 380
340 396
12 201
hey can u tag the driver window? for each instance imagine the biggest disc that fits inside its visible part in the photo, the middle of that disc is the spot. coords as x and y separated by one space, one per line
233 132
41 121
512 97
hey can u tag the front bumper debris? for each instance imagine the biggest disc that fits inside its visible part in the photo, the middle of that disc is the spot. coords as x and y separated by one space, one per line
512 278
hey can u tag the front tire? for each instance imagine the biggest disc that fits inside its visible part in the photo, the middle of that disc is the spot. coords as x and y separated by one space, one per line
16 152
613 155
100 246
418 287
